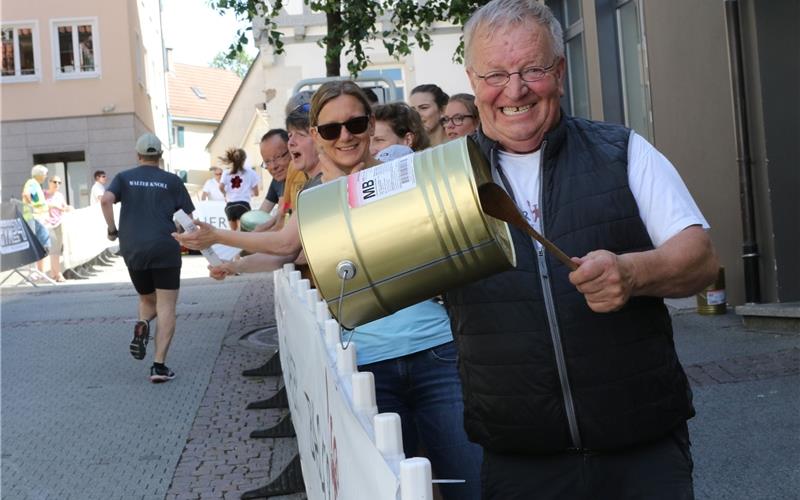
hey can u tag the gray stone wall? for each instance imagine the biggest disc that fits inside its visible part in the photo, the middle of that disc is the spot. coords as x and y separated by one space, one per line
106 140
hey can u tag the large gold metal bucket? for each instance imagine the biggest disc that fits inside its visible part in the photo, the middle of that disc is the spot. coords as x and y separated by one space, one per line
411 229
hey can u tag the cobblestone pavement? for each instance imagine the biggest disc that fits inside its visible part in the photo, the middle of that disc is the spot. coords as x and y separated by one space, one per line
220 459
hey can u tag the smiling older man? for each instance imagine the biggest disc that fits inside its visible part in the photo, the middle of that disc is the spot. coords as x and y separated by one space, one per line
571 381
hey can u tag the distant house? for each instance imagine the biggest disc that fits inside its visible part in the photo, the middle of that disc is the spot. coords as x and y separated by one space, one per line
198 99
80 82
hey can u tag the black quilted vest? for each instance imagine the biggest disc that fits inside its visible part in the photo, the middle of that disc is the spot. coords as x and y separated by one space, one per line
625 380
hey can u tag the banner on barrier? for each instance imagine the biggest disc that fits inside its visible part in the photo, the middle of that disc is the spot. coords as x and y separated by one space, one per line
18 244
213 213
339 460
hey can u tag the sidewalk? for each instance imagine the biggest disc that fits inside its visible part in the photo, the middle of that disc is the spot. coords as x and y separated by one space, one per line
81 421
80 418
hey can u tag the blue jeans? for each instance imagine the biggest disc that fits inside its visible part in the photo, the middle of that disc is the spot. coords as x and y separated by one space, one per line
424 389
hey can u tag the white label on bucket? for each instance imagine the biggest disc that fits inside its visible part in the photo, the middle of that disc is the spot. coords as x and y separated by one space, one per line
382 181
715 297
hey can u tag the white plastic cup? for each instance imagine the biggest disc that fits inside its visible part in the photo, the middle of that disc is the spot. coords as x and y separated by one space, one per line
323 314
346 360
332 336
415 479
312 297
294 278
302 286
389 435
364 394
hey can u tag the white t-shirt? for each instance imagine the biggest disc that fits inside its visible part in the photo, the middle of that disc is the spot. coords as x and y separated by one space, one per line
664 202
239 186
97 192
211 187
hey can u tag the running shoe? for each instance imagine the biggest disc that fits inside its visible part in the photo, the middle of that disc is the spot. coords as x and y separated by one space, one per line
141 331
158 376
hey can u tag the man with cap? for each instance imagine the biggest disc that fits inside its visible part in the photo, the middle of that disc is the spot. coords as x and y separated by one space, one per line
149 197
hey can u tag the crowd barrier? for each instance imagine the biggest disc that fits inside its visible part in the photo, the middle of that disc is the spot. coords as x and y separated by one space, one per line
84 235
84 231
347 450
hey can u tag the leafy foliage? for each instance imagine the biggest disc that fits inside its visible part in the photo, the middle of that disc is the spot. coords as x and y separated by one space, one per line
239 63
352 24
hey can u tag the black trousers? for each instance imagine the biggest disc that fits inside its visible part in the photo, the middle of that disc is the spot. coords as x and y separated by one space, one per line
654 471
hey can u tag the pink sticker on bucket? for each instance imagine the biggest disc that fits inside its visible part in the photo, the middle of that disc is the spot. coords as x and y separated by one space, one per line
382 181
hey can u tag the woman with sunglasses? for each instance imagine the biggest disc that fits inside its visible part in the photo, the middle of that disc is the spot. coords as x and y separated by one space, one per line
430 101
397 123
411 353
238 185
460 116
56 205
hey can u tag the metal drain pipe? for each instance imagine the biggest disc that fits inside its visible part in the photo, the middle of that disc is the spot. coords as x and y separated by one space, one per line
750 256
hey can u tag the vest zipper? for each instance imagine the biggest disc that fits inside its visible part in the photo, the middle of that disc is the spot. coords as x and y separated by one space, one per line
555 333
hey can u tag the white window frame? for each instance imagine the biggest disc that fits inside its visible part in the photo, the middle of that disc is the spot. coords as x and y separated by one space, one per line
74 22
37 58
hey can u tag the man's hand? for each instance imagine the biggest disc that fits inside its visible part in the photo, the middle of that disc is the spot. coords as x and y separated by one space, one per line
605 279
221 271
204 237
112 236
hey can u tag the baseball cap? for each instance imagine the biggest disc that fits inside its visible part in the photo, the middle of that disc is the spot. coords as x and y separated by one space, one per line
298 100
393 152
148 144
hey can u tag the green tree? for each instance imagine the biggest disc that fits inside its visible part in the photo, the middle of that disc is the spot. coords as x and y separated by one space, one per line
352 24
238 62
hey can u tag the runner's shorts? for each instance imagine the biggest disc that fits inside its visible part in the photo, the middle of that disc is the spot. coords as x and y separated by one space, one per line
147 280
235 209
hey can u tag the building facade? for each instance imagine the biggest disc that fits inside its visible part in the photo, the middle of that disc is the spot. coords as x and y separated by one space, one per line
669 70
273 77
81 80
198 99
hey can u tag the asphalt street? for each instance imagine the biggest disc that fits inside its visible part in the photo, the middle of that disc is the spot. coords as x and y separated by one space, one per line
80 420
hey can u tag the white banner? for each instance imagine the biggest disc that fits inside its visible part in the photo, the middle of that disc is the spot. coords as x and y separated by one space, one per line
338 457
213 213
85 235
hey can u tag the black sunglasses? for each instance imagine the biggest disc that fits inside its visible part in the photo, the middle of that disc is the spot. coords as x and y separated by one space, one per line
331 131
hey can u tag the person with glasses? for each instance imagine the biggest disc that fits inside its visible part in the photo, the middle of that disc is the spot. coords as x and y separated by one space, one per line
461 116
275 159
98 188
56 205
239 185
211 189
572 384
306 160
430 101
411 353
397 123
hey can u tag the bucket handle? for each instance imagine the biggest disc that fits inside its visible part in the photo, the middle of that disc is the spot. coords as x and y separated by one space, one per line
346 270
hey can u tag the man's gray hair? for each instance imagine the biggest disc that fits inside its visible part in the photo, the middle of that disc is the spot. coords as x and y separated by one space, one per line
38 170
501 13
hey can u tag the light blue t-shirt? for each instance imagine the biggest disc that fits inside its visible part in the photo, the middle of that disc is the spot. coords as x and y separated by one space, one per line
407 331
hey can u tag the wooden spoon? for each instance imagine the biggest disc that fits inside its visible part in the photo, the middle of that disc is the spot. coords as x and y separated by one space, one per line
496 202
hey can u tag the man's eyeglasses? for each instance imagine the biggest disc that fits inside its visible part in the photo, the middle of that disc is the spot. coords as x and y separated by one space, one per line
266 163
530 74
456 119
331 131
